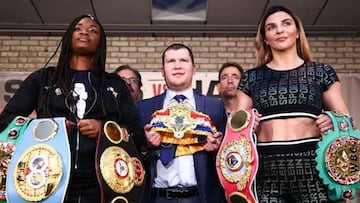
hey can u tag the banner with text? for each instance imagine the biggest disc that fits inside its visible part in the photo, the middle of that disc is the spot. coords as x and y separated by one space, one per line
204 82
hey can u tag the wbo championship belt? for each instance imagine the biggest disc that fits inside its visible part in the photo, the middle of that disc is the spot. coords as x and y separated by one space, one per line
8 140
119 168
338 158
237 158
40 167
181 125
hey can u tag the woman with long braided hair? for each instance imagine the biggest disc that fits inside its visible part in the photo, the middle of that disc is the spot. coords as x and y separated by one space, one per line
80 90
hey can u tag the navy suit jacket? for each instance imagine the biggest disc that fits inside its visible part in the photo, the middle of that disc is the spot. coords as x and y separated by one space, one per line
204 162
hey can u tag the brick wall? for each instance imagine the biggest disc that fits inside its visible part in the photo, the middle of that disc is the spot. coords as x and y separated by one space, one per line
28 53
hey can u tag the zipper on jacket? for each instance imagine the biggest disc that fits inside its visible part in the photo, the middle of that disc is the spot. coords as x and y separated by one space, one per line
77 147
77 129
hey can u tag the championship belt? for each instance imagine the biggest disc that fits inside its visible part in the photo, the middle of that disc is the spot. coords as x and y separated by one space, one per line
119 168
181 125
338 158
40 167
237 158
8 140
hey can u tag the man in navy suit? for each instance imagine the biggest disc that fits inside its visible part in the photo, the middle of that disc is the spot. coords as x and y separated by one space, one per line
189 178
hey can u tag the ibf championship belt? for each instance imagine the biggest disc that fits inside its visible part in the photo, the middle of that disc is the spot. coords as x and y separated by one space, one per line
40 167
181 125
237 158
338 158
119 168
8 140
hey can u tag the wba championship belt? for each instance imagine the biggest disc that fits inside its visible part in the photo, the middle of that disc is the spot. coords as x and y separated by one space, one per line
119 168
8 140
237 158
338 158
181 125
40 167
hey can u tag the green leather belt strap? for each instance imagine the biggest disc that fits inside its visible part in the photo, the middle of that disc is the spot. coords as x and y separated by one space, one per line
338 158
15 129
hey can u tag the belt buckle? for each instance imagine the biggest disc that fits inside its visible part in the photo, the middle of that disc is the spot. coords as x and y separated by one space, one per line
169 193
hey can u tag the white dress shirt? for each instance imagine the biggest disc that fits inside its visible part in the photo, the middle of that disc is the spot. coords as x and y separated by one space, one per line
180 172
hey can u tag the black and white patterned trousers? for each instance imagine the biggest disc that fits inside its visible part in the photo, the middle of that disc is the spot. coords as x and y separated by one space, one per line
287 173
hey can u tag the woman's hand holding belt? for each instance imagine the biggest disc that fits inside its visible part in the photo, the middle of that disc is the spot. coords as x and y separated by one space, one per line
324 123
89 127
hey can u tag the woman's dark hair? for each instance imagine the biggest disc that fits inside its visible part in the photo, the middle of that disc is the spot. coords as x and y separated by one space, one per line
63 76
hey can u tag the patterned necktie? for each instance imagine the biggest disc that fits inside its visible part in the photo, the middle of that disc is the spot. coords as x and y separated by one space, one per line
167 152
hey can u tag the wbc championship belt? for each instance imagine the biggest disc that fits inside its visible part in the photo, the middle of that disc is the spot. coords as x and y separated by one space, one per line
8 140
119 168
40 167
237 158
338 158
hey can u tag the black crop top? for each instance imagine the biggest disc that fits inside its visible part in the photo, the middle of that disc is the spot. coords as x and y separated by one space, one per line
291 93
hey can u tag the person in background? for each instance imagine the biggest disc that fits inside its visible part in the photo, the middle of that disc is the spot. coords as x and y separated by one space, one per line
98 97
229 77
189 178
132 78
290 91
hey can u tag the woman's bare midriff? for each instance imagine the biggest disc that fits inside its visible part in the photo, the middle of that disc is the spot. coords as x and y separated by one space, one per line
287 129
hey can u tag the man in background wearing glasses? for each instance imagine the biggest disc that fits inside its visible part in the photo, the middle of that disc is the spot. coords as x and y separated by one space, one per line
132 79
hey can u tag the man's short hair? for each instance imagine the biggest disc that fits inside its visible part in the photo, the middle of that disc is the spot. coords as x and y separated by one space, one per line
227 64
127 67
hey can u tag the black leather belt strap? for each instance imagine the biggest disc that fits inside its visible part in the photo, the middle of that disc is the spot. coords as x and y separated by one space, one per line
175 193
115 146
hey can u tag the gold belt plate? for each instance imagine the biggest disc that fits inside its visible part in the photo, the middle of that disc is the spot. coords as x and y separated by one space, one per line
38 172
